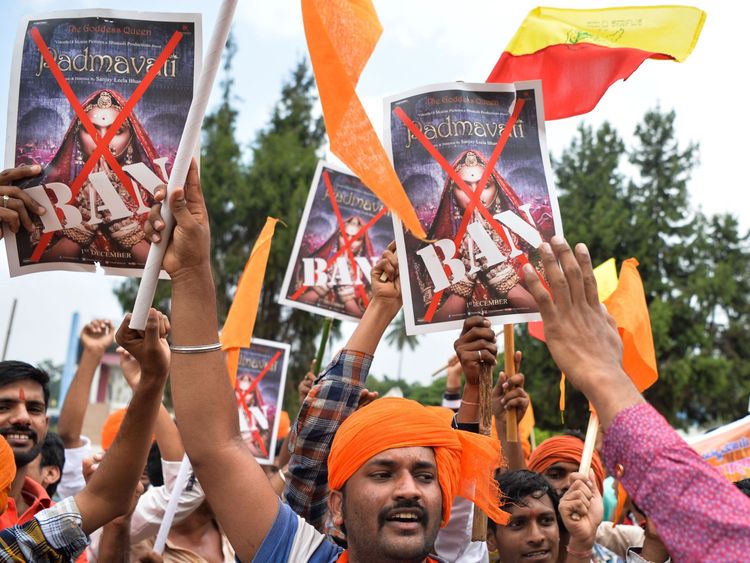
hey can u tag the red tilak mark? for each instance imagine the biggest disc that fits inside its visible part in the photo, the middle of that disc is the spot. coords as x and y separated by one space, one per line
347 241
21 395
102 144
242 395
474 197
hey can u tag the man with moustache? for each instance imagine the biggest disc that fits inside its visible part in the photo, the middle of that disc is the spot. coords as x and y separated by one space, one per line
24 396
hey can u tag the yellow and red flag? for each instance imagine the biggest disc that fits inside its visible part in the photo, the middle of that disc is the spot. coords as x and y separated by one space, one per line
578 54
238 328
341 35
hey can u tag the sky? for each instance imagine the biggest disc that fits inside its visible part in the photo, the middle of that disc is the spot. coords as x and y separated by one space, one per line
423 42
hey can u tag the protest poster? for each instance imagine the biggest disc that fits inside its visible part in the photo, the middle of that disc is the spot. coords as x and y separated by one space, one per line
727 449
99 99
445 142
259 389
342 234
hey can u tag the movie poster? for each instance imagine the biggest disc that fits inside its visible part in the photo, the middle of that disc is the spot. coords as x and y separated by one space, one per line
473 161
727 449
99 99
342 234
259 389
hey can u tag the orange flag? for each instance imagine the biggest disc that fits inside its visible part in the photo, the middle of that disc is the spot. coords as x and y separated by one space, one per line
627 305
238 328
341 35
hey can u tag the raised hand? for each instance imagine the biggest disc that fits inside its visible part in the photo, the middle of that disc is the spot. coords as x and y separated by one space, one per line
582 510
453 375
98 335
580 334
306 384
131 369
476 348
149 347
16 206
386 285
190 242
509 393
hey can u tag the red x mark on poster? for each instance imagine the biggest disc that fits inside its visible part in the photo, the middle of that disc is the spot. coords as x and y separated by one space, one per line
242 396
474 197
347 240
102 144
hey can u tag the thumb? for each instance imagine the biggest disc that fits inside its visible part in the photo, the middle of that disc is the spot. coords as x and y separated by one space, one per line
178 205
151 335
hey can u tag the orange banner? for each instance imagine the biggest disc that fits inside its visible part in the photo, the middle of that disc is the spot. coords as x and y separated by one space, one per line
727 449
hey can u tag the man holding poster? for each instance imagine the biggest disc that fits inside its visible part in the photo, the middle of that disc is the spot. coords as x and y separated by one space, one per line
98 101
473 160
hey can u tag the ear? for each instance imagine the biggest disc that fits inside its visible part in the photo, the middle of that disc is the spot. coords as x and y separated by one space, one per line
491 541
50 475
336 507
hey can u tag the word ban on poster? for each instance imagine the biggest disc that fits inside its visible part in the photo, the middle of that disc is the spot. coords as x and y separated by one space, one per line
473 161
342 234
259 390
98 99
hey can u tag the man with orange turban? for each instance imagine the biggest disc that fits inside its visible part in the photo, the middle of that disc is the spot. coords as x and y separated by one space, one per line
557 457
390 493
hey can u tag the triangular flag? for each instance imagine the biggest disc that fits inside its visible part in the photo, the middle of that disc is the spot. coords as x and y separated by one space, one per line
579 54
341 35
628 307
238 328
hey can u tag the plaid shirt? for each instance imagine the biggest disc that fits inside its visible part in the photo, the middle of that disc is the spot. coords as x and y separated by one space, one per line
53 535
334 396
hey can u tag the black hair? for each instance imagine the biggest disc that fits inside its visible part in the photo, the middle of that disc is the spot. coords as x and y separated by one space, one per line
575 433
12 371
515 486
153 466
744 486
53 455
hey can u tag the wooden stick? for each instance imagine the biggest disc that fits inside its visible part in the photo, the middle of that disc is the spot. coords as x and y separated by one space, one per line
588 450
322 347
511 422
479 524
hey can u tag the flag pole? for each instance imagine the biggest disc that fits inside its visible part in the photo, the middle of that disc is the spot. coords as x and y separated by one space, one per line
185 150
511 420
588 450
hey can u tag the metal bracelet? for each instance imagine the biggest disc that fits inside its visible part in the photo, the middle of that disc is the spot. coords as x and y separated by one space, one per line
198 349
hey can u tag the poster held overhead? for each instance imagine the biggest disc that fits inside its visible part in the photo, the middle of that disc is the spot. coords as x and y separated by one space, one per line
474 163
259 389
97 99
342 234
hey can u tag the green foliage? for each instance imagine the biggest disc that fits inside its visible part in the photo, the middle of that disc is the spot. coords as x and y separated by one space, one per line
240 194
426 394
695 269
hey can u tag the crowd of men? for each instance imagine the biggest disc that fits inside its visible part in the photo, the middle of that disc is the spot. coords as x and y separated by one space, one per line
358 478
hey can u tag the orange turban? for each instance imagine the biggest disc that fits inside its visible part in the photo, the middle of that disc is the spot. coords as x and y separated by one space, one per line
112 427
565 449
7 472
465 461
284 425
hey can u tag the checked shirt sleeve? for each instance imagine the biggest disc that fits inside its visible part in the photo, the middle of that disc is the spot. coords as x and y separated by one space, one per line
53 535
334 396
699 514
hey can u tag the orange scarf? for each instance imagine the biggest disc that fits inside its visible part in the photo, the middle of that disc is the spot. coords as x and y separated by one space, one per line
465 461
565 449
7 472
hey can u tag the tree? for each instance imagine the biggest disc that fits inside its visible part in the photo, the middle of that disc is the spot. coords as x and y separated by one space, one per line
397 337
695 268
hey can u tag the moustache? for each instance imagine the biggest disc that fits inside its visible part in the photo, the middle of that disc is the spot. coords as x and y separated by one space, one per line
412 505
18 429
